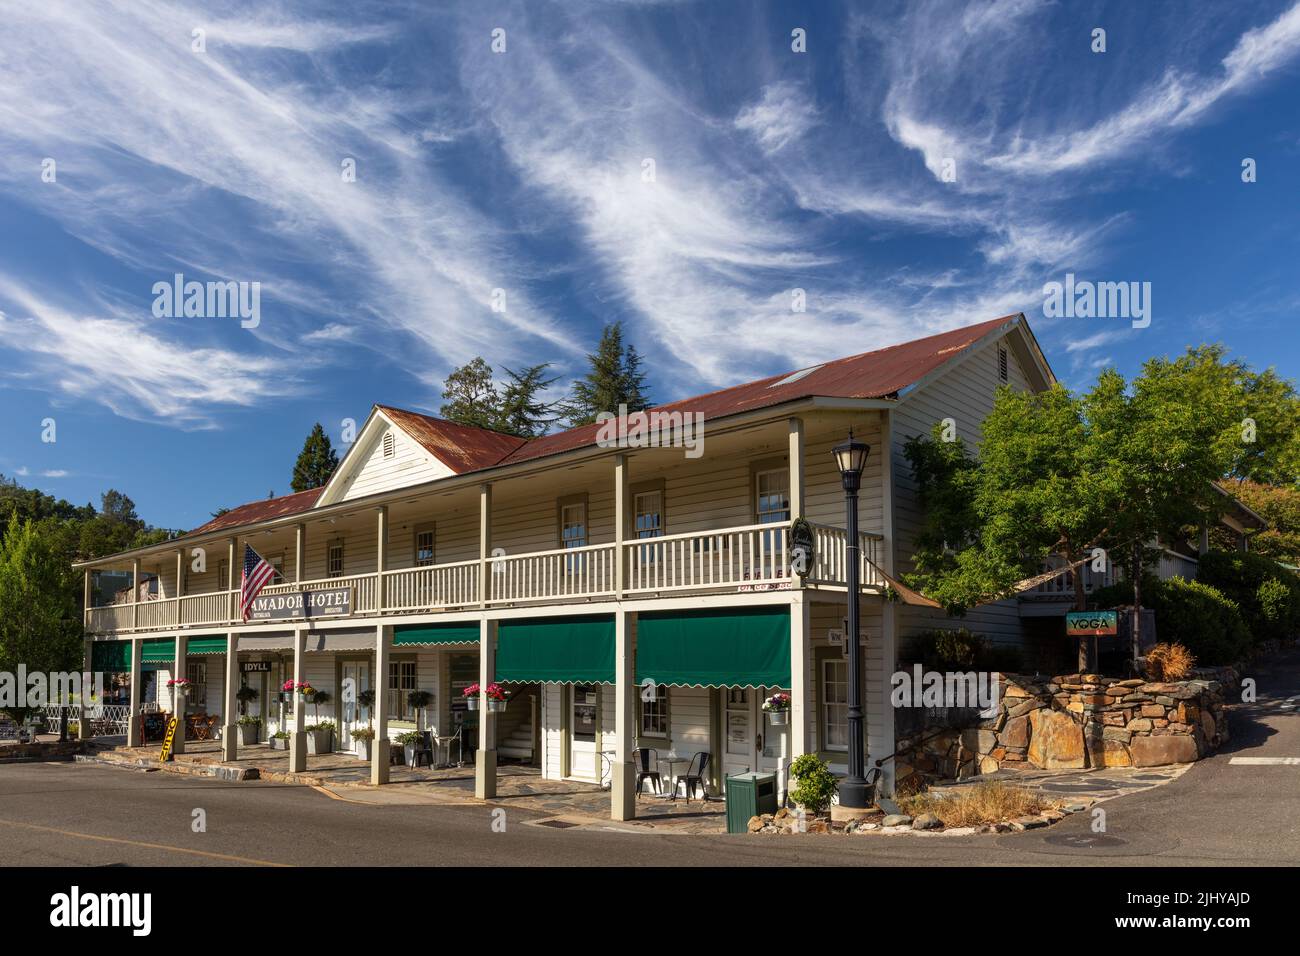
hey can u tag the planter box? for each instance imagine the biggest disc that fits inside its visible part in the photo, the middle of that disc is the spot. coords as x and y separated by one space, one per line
364 749
279 743
320 741
248 733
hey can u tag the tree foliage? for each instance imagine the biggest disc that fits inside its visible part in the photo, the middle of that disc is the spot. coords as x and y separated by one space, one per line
40 625
615 377
471 396
316 462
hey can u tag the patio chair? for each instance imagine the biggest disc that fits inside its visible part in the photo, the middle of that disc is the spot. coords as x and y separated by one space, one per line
643 758
424 751
694 776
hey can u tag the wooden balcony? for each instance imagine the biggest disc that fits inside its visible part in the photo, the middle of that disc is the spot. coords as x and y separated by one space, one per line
742 559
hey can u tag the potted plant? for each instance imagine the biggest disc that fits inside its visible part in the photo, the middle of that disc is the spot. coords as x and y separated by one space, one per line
418 700
410 742
180 688
248 729
320 737
815 785
318 698
280 740
497 697
470 694
244 695
777 708
363 739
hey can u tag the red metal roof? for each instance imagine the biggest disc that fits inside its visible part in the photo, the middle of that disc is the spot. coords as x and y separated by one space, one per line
263 510
461 448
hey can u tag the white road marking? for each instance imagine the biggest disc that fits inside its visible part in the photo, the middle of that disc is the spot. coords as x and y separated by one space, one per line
1266 761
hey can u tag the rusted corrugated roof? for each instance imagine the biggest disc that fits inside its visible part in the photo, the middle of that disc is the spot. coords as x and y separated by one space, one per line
461 448
877 374
263 510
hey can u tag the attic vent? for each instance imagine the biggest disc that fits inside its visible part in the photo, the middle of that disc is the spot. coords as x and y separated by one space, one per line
388 445
795 376
1002 364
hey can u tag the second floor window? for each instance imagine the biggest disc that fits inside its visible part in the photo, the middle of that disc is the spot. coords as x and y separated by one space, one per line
423 547
277 562
223 575
573 532
772 489
334 560
649 514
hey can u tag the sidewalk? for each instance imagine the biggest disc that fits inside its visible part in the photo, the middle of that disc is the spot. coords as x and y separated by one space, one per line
346 777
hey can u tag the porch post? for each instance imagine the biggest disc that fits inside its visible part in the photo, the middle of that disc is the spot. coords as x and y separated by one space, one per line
796 468
622 803
800 665
178 699
381 562
881 741
135 593
299 551
180 590
620 525
379 747
232 603
485 758
297 737
85 601
484 542
230 706
134 738
88 663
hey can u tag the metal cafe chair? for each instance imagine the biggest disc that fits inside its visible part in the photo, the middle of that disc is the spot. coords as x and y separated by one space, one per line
694 776
643 758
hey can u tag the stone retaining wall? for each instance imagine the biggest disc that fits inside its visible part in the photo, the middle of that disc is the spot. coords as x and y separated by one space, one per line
1075 721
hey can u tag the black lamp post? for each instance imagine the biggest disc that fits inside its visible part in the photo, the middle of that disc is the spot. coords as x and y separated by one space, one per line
851 457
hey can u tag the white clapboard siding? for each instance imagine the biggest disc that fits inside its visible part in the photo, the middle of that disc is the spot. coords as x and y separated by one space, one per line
371 473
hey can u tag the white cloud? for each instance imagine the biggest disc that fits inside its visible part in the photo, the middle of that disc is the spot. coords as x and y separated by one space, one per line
782 114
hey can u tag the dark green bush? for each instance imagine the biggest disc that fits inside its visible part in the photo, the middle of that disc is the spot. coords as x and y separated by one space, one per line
1192 613
962 650
1267 593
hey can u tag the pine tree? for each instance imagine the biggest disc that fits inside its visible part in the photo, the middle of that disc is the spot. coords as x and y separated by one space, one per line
316 462
472 396
616 378
521 411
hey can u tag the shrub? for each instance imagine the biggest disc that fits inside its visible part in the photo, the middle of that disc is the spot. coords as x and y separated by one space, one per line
247 720
962 650
980 803
1192 613
815 785
1170 662
410 737
1267 594
363 733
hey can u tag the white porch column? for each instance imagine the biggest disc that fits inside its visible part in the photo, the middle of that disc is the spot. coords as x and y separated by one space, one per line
87 667
230 705
622 803
379 750
381 561
880 710
135 593
232 602
134 738
484 542
85 601
297 737
180 588
620 525
299 551
485 758
796 468
800 673
179 700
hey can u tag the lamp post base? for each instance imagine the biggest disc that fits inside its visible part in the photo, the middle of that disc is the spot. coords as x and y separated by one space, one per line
843 814
855 795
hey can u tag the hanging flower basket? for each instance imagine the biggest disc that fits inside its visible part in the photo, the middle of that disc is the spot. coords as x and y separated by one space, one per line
497 698
777 708
470 694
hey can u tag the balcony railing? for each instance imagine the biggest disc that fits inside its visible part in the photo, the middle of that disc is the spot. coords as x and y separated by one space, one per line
753 557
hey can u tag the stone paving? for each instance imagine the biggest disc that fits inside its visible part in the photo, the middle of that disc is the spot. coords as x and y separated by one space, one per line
1087 786
346 775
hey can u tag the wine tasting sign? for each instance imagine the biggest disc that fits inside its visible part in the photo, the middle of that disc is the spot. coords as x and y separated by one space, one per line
327 602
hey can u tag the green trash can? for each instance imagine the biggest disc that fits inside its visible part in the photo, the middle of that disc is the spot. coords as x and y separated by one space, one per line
749 795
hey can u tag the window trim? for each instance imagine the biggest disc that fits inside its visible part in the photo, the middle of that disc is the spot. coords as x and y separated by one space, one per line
823 724
655 486
398 711
762 467
641 732
329 548
430 528
569 501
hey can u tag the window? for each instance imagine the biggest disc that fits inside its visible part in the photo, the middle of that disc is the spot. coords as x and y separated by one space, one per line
334 559
835 705
401 681
1002 364
654 711
648 514
277 562
196 672
390 445
424 546
773 496
585 702
573 531
223 574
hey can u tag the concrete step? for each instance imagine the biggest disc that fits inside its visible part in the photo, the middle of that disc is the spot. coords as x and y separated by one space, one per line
523 753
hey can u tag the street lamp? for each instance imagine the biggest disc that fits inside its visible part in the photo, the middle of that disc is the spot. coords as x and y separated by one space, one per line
851 458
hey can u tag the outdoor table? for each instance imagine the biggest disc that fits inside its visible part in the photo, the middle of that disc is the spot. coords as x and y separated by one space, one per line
672 781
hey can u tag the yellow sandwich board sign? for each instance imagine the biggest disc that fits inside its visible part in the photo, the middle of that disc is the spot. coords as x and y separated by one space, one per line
167 741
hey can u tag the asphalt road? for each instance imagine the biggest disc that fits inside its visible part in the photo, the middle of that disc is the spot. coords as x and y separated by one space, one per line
1216 814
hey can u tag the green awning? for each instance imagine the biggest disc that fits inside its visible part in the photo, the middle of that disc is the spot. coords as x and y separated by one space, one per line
159 650
405 635
562 650
206 644
111 657
727 647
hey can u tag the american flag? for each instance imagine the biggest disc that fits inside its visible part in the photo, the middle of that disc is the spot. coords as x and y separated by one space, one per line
257 573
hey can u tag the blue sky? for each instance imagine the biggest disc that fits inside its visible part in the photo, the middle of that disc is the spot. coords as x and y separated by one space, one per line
523 171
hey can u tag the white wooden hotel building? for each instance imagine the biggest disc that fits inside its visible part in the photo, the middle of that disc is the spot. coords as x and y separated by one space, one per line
576 574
